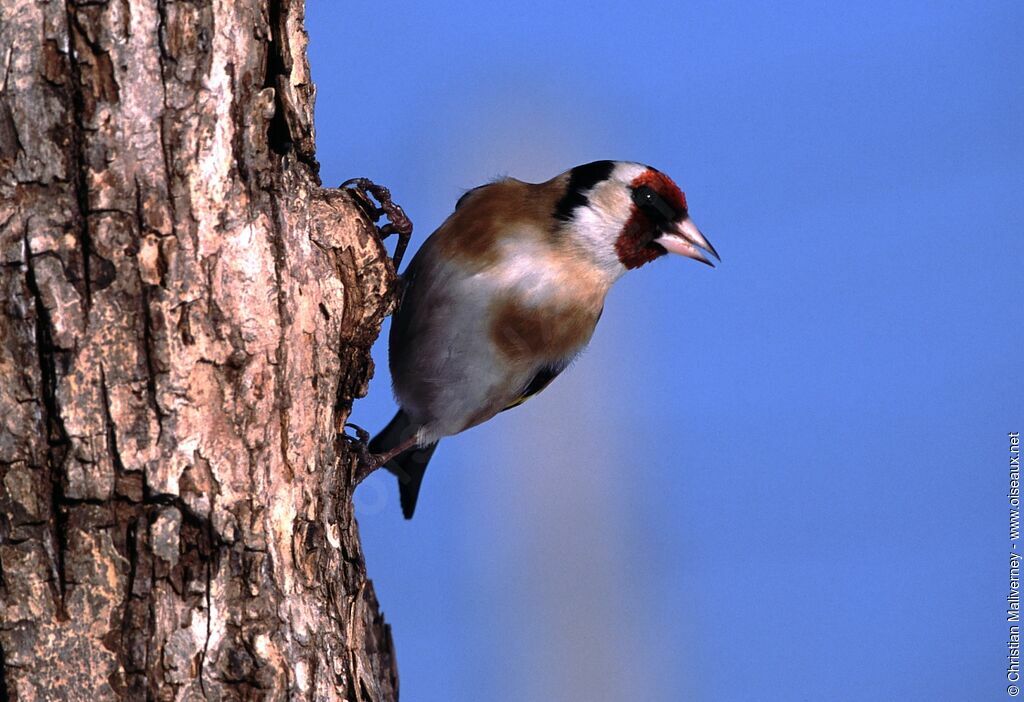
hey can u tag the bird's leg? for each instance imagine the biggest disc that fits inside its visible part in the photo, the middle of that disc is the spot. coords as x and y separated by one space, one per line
370 462
379 459
399 223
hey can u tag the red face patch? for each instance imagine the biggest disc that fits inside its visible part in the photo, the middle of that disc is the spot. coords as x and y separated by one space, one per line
663 186
656 202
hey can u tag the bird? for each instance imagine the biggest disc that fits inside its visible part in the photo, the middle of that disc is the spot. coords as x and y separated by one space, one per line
508 291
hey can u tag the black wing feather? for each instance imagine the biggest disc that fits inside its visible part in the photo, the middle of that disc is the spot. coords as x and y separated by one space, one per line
539 381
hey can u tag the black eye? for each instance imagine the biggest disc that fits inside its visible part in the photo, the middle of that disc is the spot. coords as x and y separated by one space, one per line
653 204
644 196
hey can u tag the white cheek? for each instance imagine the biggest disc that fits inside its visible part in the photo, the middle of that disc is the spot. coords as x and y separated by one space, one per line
598 227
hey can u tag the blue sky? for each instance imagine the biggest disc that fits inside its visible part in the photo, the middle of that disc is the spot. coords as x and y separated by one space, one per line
783 479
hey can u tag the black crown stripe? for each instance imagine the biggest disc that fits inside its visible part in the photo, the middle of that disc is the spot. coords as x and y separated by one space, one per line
582 179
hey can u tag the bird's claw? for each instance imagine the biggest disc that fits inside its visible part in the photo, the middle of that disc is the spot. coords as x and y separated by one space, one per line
367 462
400 224
361 434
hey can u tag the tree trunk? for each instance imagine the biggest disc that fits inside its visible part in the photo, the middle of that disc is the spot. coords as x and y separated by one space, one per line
185 318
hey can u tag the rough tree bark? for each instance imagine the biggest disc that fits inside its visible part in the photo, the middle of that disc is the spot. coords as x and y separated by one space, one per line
185 318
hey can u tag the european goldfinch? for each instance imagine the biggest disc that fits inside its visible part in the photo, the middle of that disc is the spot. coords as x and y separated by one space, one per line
501 298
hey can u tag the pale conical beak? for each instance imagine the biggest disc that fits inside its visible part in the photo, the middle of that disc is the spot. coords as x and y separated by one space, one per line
686 240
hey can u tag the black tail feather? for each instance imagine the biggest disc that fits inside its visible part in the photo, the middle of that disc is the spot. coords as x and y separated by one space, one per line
408 466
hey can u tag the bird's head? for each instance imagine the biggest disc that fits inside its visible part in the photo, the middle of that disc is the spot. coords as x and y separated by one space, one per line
627 214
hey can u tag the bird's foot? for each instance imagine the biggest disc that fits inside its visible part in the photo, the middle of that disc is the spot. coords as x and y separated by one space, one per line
366 462
399 223
362 436
370 462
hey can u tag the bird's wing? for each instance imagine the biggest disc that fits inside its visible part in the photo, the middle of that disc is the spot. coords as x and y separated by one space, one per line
539 381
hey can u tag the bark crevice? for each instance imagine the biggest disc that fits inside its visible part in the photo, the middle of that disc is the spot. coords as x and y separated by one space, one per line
57 439
79 42
279 136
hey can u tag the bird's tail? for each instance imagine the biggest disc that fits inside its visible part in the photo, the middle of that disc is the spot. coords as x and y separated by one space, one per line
408 466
